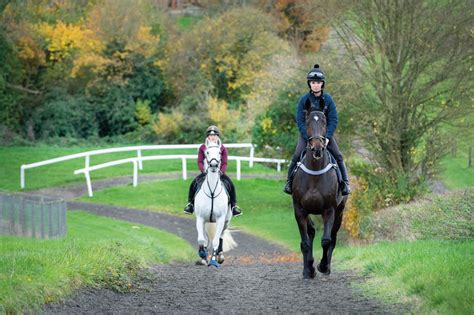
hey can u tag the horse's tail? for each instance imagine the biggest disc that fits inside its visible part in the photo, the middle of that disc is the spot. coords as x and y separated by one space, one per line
229 242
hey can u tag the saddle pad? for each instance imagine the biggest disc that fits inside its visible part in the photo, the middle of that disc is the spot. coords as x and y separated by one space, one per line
333 161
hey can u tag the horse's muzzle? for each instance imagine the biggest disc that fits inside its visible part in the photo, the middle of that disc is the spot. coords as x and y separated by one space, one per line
214 165
317 146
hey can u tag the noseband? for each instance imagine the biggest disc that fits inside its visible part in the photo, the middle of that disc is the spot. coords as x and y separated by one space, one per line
317 153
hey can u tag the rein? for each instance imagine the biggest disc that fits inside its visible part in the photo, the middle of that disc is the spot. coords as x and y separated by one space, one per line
212 192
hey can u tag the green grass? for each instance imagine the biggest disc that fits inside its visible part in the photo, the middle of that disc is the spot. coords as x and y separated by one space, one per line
97 251
434 276
184 22
62 173
455 171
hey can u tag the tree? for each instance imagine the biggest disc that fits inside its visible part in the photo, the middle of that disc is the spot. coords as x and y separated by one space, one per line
413 60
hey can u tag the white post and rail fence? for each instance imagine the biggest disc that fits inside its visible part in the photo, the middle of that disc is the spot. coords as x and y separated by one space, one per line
138 160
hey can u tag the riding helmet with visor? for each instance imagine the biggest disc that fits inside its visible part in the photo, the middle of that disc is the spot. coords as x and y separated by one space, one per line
316 74
212 130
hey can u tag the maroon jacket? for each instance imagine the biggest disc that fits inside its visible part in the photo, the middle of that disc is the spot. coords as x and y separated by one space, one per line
202 157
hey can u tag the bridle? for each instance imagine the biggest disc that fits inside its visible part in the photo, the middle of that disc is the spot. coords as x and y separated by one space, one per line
216 166
317 153
212 190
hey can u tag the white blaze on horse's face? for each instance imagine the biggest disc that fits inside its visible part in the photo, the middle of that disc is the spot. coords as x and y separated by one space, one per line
316 118
213 155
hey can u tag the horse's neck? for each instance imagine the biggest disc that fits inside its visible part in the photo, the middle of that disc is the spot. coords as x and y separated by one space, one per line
314 164
212 179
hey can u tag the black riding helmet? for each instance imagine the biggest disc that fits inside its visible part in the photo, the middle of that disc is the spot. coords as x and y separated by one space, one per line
212 130
316 74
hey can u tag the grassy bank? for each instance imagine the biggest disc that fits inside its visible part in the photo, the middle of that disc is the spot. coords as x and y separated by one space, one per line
432 276
96 252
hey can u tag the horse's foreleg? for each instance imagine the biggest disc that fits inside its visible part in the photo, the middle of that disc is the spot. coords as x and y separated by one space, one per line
328 220
200 229
335 229
302 220
215 242
202 240
311 234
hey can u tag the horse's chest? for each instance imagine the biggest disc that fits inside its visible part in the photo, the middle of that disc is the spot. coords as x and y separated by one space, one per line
314 201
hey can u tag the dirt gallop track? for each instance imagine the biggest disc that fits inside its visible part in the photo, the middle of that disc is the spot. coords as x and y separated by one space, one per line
257 277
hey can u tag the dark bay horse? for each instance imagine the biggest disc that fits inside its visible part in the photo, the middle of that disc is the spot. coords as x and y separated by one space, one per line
316 191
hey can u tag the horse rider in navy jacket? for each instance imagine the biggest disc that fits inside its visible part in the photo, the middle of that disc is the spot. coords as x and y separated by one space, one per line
212 134
322 101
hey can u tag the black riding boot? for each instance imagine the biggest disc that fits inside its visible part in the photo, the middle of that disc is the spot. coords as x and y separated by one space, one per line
345 188
229 186
289 180
189 209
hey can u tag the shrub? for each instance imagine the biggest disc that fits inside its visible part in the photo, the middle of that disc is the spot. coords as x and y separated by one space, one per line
373 190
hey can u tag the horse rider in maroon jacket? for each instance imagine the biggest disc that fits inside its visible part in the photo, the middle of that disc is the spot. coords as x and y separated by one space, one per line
212 134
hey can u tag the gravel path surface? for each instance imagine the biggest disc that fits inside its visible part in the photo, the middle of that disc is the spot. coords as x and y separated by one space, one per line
257 277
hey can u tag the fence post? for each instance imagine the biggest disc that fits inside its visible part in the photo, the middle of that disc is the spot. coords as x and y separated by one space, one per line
252 152
140 162
183 162
88 181
135 174
22 177
238 169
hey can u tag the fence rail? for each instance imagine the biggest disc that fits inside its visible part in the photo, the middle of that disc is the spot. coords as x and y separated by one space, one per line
138 149
137 161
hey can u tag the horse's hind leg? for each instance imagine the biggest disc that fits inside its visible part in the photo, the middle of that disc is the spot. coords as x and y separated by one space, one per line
328 219
220 252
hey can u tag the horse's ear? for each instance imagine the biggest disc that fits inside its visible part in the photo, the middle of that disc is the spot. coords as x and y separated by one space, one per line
207 142
219 143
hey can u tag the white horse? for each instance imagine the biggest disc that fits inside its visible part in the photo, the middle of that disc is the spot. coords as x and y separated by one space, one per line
211 204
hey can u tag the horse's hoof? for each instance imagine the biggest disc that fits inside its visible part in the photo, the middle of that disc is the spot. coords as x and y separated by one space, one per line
220 258
214 263
307 276
324 272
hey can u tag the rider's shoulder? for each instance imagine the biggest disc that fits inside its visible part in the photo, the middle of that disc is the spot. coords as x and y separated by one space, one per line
304 97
